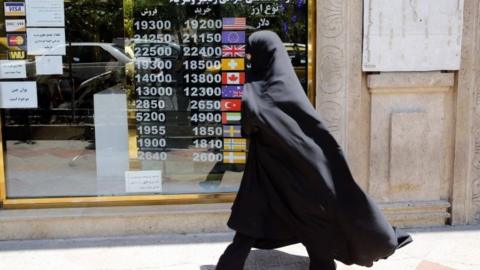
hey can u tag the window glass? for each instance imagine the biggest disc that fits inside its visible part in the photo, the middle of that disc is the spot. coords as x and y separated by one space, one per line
132 97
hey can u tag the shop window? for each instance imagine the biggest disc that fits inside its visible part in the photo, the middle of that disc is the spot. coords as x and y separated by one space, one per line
135 97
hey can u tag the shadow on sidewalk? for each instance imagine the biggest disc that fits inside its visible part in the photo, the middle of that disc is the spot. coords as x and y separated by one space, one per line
271 260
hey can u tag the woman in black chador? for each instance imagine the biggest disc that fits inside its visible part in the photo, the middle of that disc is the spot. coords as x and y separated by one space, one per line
297 186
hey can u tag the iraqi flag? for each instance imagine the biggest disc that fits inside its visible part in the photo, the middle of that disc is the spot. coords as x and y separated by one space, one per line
233 78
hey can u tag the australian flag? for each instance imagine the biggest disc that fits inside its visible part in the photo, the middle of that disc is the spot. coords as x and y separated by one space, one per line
232 91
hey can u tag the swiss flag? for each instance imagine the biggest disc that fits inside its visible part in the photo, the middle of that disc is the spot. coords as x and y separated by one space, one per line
231 105
233 77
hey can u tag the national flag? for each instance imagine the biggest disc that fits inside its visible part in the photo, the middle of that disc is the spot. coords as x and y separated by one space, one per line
233 77
238 23
231 105
233 50
235 144
232 131
232 91
233 37
231 117
235 157
16 40
230 64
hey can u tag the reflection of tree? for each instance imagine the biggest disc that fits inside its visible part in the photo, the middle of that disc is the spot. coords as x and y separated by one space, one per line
290 23
128 17
94 21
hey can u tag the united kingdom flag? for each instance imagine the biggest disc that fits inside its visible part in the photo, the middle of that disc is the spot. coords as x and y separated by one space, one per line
233 51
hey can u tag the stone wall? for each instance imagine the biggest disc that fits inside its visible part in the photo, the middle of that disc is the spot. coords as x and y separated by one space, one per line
412 139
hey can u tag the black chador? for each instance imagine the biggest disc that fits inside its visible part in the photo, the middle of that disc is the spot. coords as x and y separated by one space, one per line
297 186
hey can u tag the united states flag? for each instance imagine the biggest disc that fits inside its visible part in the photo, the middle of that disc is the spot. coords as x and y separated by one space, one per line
233 51
238 23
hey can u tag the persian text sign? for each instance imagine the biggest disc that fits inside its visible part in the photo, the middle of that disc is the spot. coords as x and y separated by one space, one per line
143 181
45 13
12 69
46 41
15 95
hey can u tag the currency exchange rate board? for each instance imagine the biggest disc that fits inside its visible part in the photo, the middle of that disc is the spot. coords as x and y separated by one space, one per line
190 72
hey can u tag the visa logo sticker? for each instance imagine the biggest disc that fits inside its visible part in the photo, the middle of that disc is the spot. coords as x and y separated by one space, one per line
15 25
17 55
14 9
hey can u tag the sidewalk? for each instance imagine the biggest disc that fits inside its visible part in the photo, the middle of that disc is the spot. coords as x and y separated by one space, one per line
444 248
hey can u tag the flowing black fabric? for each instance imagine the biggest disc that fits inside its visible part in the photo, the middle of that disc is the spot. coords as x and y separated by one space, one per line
297 186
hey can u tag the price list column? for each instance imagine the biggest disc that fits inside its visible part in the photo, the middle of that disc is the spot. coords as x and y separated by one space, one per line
218 52
153 82
201 79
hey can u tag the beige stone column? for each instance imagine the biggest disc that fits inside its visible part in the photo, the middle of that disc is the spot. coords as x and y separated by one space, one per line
341 97
466 180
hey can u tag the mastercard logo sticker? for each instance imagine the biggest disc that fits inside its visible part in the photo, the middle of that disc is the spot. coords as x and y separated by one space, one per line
16 40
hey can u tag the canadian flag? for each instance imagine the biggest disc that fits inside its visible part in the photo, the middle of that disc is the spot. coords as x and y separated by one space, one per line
233 77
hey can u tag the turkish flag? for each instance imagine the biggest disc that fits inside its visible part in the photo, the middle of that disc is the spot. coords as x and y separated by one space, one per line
233 77
231 105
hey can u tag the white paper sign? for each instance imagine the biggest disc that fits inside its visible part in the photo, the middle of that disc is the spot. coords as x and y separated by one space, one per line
143 181
48 65
45 13
406 35
46 41
15 25
16 95
11 69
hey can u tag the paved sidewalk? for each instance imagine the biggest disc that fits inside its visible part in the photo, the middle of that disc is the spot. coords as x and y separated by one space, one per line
444 248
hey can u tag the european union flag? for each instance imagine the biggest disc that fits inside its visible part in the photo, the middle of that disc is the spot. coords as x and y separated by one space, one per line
233 37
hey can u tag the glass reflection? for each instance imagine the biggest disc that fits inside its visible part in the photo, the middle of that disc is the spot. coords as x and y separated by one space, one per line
175 114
